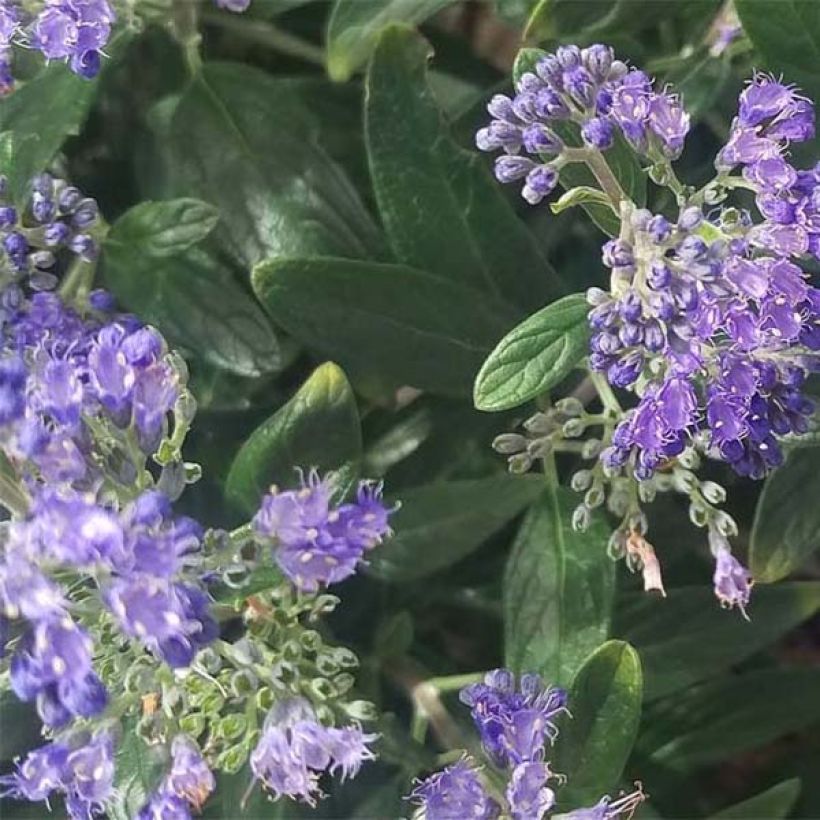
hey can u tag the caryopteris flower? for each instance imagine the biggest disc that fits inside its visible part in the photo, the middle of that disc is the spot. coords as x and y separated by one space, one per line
295 750
576 98
316 542
710 319
516 725
454 793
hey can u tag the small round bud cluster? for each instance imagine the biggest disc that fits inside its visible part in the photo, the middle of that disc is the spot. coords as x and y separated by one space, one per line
40 239
577 97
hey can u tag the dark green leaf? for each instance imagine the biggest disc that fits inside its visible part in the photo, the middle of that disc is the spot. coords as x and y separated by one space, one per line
355 25
558 587
441 209
787 35
786 528
194 300
402 325
166 228
137 775
318 427
41 114
245 142
593 747
687 637
725 718
774 804
534 356
441 523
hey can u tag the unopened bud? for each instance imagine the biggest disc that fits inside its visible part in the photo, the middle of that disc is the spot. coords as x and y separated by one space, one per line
580 518
573 428
581 480
519 463
508 443
570 406
712 492
540 423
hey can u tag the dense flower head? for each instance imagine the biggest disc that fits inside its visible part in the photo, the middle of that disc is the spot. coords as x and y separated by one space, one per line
578 97
316 542
515 723
711 327
455 793
64 373
295 750
80 767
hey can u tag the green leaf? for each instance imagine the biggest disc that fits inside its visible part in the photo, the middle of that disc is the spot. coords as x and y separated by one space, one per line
786 528
558 587
318 427
787 35
439 524
245 142
605 701
725 718
166 228
687 637
775 803
137 775
582 195
193 299
41 114
354 27
534 356
398 324
620 158
440 207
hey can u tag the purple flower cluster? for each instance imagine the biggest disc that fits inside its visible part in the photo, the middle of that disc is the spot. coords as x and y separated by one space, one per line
317 543
80 767
236 6
515 724
295 750
74 31
140 555
578 96
714 317
42 237
62 375
186 786
455 793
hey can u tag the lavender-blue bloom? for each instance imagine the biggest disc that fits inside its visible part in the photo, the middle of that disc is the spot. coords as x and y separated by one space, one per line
455 793
74 30
607 808
528 794
318 544
733 582
592 89
295 749
514 724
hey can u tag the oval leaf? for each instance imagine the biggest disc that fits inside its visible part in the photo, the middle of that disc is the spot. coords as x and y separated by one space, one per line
457 222
534 356
786 528
277 190
558 587
723 719
319 427
354 27
194 300
713 639
402 325
42 114
775 803
166 228
441 523
605 701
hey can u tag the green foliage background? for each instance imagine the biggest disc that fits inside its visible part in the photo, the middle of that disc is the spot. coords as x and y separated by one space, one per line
304 216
